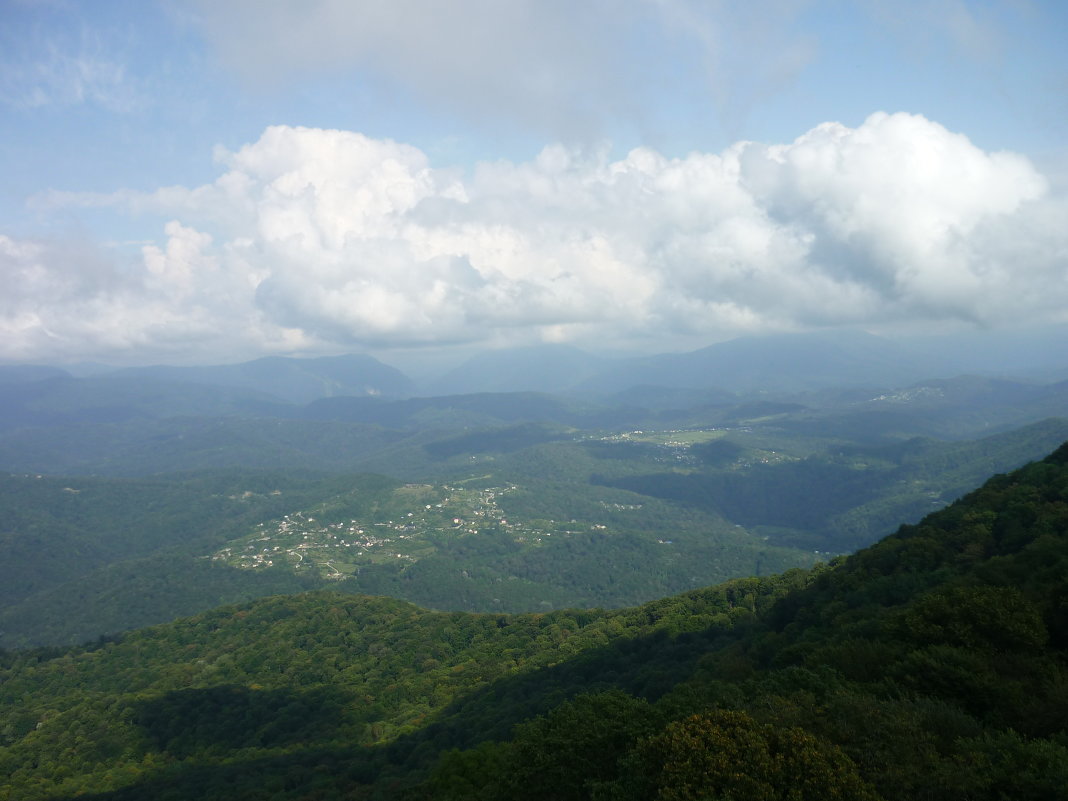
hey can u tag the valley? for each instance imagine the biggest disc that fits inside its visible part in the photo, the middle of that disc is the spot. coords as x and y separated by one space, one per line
537 502
372 597
416 519
924 664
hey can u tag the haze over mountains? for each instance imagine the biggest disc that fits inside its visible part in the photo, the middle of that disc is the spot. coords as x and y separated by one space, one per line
769 364
356 413
576 479
772 365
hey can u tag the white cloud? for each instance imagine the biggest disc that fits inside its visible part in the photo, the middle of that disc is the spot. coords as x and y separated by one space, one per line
318 238
895 204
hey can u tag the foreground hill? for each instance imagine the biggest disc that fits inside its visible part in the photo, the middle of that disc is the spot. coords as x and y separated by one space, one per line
930 665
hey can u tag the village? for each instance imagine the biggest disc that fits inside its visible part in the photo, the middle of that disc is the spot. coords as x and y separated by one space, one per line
415 520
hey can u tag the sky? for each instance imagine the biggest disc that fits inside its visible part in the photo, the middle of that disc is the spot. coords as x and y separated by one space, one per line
194 181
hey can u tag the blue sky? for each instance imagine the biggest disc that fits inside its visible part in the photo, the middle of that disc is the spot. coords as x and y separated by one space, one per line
206 181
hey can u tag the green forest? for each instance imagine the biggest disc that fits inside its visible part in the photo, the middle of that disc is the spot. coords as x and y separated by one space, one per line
930 665
518 518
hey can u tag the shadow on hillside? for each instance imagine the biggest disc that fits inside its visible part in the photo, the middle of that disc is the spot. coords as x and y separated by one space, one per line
307 773
217 723
1019 521
231 717
647 666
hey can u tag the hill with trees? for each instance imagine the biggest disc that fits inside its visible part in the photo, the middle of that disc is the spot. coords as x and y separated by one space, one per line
517 518
929 665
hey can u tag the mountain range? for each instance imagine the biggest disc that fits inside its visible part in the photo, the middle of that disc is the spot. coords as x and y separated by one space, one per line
769 365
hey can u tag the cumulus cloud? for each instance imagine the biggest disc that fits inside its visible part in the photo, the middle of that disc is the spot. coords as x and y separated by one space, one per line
322 238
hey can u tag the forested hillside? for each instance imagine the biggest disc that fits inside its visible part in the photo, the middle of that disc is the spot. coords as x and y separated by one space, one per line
930 665
519 518
85 556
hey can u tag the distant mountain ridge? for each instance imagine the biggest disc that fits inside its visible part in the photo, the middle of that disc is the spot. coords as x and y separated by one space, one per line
60 401
294 380
28 373
776 364
37 396
538 368
770 364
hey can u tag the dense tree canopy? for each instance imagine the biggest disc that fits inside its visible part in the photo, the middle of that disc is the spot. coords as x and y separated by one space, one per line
931 665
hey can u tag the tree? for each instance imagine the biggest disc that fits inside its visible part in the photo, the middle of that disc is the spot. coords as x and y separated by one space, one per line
728 755
578 744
